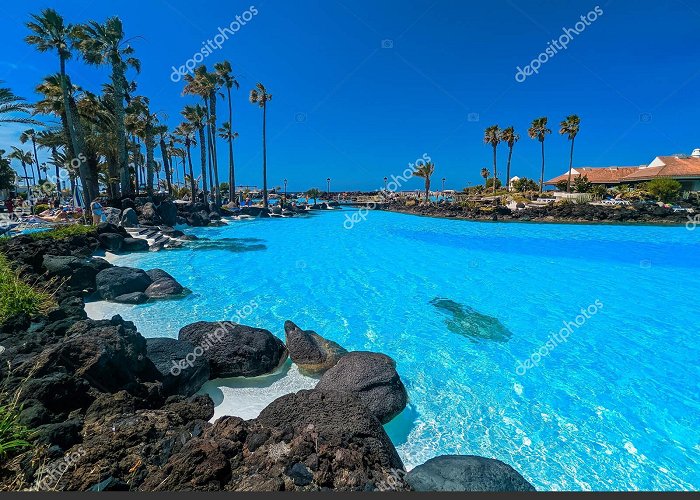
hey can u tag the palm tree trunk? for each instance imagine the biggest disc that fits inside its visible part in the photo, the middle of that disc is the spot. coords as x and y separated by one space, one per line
36 160
150 146
189 160
215 160
264 156
427 189
26 178
232 168
495 169
75 132
166 165
119 113
231 171
58 173
510 156
542 175
571 166
203 151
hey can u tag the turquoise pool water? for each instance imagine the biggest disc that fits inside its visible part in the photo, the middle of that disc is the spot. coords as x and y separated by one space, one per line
461 306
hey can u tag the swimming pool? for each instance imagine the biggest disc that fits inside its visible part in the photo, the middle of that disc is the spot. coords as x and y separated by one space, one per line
568 351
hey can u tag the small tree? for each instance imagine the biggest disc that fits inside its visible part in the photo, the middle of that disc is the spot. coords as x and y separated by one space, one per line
561 185
7 173
489 184
313 193
664 189
582 184
599 191
525 184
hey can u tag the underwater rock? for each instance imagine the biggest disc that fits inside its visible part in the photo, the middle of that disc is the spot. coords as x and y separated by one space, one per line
464 320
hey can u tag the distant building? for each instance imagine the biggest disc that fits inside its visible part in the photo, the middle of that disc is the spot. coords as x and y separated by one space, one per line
683 168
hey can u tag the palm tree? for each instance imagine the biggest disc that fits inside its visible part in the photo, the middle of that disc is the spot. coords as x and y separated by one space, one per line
509 136
425 171
492 135
104 44
570 126
538 130
227 134
24 157
260 97
161 130
30 135
51 33
185 134
11 104
485 174
197 117
205 85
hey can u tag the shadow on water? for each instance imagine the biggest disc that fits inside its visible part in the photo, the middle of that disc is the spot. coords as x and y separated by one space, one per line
463 320
235 245
399 428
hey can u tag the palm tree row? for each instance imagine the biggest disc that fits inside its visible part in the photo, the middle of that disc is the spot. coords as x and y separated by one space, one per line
538 130
101 138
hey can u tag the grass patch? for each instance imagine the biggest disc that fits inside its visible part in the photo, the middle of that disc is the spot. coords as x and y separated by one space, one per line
64 232
16 296
13 435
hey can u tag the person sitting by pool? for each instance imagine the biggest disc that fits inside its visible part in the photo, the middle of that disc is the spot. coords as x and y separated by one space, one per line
97 212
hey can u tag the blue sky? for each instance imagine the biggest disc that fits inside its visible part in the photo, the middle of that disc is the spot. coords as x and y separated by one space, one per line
361 88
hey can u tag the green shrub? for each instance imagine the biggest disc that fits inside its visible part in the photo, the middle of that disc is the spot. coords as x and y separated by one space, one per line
64 232
16 296
582 184
664 189
40 208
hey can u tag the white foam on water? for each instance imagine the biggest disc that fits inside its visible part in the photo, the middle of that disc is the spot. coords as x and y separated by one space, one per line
246 397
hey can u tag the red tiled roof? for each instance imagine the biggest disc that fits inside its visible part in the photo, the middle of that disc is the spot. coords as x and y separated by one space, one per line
596 175
671 166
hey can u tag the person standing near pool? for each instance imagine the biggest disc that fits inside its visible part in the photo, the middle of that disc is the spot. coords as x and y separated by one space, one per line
96 209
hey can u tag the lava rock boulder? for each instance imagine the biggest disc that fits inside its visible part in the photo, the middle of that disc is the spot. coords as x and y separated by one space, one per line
373 378
466 473
235 350
312 353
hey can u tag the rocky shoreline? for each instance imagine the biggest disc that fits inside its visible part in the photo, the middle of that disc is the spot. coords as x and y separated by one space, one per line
552 213
112 410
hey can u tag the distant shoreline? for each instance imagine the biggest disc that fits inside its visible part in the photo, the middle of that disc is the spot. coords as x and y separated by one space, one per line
527 217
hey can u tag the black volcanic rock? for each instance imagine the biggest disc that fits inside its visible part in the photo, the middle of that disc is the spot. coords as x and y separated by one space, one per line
183 371
311 352
236 350
466 473
373 378
116 281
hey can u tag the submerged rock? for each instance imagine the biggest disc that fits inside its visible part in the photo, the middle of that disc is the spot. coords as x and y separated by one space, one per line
235 350
311 352
373 378
163 285
466 473
472 324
